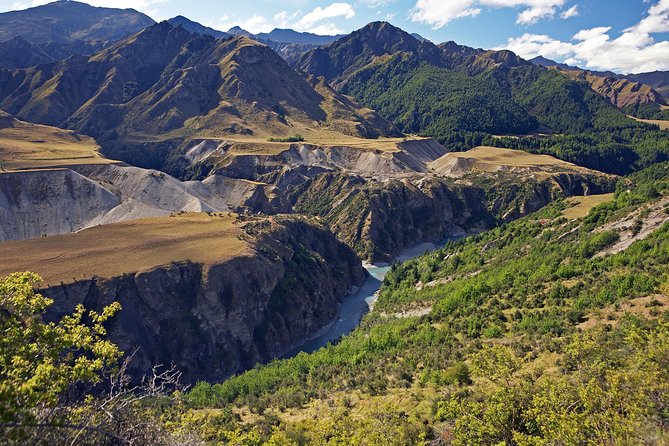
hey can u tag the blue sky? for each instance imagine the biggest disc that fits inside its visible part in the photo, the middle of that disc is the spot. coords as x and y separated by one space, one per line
620 35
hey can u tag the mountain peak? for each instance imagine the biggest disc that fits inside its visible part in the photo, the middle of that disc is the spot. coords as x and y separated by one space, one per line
505 58
66 22
384 29
238 30
353 52
196 28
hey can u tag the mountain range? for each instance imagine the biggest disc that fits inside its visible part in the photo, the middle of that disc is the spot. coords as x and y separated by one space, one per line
435 90
63 28
166 83
235 204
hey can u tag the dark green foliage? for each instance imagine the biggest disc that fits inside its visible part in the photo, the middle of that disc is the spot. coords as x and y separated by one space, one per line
296 138
434 101
598 242
619 151
462 108
528 281
562 104
649 110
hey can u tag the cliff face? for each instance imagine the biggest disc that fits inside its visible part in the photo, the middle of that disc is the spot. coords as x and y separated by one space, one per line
381 219
215 320
49 202
59 201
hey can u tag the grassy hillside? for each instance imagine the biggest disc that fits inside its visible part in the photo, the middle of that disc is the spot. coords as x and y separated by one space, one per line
523 321
619 150
462 97
436 101
127 247
495 159
28 146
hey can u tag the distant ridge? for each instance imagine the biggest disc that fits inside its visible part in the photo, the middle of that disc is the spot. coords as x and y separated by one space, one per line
625 92
291 36
197 28
66 22
58 30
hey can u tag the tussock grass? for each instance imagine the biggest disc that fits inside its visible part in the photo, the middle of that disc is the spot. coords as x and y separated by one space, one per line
663 125
128 247
580 206
30 146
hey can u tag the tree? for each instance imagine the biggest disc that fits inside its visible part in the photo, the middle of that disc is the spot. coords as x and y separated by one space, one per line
40 360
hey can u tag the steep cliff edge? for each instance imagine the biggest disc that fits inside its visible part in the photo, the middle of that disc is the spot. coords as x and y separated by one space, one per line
380 219
214 295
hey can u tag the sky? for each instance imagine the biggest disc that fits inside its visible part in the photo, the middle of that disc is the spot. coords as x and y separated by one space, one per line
617 35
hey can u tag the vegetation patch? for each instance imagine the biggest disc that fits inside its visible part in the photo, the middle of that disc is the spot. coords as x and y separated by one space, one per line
296 138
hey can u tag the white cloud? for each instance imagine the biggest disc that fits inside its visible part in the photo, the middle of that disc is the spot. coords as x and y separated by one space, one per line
313 20
534 14
657 20
571 12
439 13
255 24
316 21
635 50
377 3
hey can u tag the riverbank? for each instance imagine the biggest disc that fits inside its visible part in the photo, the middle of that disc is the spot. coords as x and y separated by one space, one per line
361 302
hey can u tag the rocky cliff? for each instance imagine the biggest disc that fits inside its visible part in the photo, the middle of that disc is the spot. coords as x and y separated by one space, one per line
381 202
221 311
380 219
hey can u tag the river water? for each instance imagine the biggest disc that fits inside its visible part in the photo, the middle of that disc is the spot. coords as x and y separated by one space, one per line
356 305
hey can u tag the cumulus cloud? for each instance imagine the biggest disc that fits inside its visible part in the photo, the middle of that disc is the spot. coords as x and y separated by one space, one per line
313 20
439 13
635 50
316 21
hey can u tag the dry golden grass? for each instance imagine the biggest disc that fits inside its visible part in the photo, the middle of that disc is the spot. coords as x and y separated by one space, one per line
128 247
31 146
663 125
259 144
492 159
323 138
580 206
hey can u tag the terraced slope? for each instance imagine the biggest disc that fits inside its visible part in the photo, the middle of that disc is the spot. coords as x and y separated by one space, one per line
495 159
